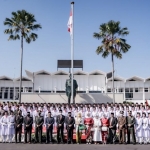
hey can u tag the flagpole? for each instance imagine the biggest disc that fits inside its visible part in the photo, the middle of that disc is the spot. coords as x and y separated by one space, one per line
72 50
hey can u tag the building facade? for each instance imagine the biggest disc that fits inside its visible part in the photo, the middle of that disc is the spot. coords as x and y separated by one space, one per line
134 88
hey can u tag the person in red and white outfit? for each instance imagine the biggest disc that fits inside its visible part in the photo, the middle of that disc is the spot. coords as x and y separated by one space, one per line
105 124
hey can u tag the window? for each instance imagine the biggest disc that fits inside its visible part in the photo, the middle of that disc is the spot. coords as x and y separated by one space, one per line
5 95
141 90
146 89
127 90
108 90
131 90
11 92
120 90
136 90
129 95
0 94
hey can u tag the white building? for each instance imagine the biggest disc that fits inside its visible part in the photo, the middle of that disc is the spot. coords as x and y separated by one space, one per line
134 88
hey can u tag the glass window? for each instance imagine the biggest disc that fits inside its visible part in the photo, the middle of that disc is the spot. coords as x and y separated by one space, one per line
127 90
136 90
129 95
120 90
108 90
0 94
131 90
146 89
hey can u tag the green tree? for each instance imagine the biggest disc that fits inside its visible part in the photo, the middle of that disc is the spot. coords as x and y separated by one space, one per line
20 26
112 43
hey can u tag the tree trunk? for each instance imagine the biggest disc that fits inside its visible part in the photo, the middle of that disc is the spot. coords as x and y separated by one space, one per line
112 59
21 68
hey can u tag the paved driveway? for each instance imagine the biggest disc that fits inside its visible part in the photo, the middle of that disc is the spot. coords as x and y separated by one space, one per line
71 147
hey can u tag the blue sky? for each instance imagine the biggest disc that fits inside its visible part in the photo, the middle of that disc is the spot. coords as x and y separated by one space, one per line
54 40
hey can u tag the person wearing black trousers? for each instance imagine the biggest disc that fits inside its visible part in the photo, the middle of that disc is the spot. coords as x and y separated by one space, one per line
18 125
60 126
70 126
49 128
112 128
28 121
39 120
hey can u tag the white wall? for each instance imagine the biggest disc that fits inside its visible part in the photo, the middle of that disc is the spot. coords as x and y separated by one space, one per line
4 83
117 84
134 84
96 82
59 82
82 81
44 81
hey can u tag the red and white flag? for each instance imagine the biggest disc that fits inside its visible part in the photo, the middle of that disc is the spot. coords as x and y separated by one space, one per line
70 23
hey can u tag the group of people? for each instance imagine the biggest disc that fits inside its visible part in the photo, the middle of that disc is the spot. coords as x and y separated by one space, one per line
97 123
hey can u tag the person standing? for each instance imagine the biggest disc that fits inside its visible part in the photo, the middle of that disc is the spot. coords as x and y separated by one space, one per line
121 127
78 122
70 126
138 128
39 120
112 128
105 124
4 123
97 135
28 121
18 126
49 121
145 128
130 128
60 127
0 125
11 126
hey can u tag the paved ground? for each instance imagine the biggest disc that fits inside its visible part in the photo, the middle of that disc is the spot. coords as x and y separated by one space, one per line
71 147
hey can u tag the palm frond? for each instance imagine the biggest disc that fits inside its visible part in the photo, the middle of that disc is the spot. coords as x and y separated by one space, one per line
24 23
111 42
105 54
99 49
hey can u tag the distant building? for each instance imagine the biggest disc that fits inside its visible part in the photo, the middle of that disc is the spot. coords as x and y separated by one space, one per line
134 88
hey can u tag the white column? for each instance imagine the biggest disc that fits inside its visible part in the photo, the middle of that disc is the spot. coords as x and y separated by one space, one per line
39 89
144 92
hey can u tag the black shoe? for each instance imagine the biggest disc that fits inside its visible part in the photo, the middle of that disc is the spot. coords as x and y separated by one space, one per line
57 142
134 143
46 142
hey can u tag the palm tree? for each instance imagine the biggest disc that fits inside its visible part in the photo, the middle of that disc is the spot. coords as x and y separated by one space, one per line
112 43
20 26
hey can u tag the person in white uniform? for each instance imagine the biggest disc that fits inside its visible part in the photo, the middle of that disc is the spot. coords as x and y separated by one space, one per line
97 135
88 113
145 128
138 128
54 114
0 125
4 123
148 127
11 126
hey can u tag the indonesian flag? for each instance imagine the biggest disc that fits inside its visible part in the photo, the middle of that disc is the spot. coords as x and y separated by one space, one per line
70 23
